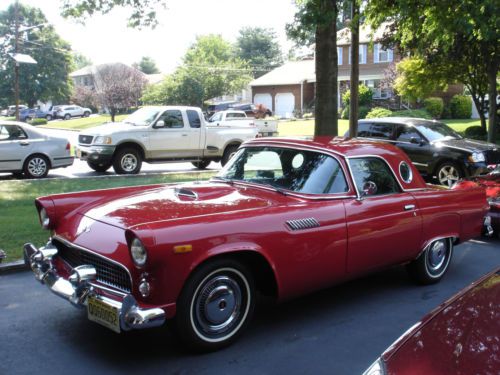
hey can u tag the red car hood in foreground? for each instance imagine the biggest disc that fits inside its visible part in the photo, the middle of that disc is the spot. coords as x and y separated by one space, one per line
461 337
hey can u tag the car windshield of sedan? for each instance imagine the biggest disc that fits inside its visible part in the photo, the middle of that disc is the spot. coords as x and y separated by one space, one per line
437 131
142 117
298 171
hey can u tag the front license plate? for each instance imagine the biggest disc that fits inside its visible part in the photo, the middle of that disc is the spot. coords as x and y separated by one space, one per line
101 313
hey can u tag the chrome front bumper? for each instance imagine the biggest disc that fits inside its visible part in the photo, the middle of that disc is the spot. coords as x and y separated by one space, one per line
81 285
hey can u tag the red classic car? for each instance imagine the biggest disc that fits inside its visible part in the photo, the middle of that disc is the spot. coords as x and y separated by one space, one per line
460 337
284 217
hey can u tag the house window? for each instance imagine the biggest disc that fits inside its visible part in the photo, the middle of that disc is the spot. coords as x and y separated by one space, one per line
339 55
381 55
378 92
362 53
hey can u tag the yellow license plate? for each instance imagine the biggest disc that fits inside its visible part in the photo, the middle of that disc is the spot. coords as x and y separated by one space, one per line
102 313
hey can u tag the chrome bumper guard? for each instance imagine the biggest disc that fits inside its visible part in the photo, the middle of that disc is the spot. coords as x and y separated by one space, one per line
487 228
80 286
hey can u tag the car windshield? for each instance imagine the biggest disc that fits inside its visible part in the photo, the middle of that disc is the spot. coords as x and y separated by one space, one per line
437 131
142 117
286 169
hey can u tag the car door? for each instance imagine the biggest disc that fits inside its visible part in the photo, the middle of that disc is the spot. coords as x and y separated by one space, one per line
169 137
415 145
195 133
383 224
14 147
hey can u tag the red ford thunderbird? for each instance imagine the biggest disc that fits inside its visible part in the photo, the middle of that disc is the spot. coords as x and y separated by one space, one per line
284 217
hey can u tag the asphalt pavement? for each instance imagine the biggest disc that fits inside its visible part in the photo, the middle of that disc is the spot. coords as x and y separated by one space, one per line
340 330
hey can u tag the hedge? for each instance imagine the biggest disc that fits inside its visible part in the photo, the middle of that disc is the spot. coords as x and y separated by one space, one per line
37 121
461 107
434 106
379 112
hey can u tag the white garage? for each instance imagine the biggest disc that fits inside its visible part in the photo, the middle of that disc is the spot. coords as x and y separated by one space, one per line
284 104
265 99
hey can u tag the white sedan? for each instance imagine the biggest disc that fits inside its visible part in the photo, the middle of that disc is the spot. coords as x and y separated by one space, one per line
26 150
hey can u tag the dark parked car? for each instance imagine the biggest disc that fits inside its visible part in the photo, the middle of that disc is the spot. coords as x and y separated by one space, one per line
222 106
250 109
31 113
434 148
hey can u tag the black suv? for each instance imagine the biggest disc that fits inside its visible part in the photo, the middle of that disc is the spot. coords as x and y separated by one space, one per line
435 149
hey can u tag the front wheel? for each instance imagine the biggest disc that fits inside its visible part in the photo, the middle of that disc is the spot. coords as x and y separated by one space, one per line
448 174
86 114
433 263
48 117
67 116
202 164
215 305
127 161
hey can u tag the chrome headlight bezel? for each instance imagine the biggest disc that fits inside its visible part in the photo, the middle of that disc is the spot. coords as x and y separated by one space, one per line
138 252
44 218
377 368
477 157
102 140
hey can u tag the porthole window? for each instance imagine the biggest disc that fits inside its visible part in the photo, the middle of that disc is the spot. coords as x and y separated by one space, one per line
405 172
297 161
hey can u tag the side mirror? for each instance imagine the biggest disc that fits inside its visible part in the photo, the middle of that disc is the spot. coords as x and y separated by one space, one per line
369 188
160 124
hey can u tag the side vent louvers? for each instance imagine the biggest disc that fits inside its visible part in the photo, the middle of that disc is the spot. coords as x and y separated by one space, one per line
303 223
185 193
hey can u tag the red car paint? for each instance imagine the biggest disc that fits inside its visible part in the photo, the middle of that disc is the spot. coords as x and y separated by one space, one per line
460 337
355 236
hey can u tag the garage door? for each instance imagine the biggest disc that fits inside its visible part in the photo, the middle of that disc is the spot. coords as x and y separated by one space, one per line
284 104
265 99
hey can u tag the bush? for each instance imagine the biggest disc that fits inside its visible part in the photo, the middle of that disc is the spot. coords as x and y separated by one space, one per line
476 132
416 113
379 112
461 107
345 113
434 106
37 121
363 111
365 96
446 111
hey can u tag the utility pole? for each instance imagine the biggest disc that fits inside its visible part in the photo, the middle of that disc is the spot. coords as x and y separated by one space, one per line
16 63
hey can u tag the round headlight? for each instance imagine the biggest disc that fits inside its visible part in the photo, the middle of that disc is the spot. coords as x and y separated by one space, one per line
138 252
44 218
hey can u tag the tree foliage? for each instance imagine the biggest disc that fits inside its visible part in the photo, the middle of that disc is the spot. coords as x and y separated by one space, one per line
46 80
80 60
260 48
147 65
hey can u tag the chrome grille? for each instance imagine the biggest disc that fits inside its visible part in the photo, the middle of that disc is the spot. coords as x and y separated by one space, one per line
108 272
85 139
303 223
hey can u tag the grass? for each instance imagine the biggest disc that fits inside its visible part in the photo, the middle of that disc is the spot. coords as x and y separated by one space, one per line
19 220
82 123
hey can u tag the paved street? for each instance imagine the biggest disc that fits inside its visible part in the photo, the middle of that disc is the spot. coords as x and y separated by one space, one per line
336 331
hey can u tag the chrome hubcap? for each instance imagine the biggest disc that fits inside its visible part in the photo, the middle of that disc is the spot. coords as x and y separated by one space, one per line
448 175
436 255
129 162
37 167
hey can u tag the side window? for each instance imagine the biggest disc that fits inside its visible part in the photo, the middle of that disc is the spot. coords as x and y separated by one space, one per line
405 133
364 129
382 131
216 117
172 119
230 115
11 133
4 134
373 176
194 118
239 115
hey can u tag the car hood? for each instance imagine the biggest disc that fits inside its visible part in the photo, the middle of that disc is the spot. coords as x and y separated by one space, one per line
466 144
175 202
460 337
112 128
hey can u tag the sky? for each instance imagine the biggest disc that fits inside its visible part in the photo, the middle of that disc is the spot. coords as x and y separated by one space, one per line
106 38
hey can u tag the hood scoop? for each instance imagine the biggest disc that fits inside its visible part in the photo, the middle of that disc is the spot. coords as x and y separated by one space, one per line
185 193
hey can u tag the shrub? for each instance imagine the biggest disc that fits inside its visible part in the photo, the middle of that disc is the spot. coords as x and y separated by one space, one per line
461 107
434 106
345 113
446 111
416 113
365 96
363 111
476 132
378 112
37 121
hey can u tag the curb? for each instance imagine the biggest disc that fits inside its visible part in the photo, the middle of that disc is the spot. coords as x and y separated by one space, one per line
12 267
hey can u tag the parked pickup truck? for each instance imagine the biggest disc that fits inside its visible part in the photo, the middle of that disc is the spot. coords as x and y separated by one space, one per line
267 128
159 134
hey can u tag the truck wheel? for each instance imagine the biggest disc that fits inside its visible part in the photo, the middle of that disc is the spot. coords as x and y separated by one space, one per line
99 167
36 166
448 174
202 164
127 161
215 305
228 154
433 263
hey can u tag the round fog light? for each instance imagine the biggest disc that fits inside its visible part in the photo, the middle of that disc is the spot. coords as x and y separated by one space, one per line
144 288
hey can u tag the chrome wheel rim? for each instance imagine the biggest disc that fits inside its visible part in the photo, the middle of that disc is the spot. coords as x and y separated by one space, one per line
129 162
220 305
37 167
437 256
448 175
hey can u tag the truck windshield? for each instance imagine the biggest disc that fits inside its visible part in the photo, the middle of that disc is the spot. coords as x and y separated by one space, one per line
284 169
142 117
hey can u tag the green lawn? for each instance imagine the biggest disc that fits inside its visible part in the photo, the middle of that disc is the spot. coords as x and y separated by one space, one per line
81 123
19 220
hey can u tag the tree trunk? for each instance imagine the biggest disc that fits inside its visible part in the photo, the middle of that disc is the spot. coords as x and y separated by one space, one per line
492 99
326 109
112 112
354 95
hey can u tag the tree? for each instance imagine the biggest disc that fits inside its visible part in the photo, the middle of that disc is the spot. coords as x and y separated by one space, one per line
460 37
354 81
80 60
320 17
86 97
118 87
46 80
147 65
260 48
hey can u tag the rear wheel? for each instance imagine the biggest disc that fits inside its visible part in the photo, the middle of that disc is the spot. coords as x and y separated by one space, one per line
433 263
36 166
127 161
448 174
215 305
86 114
202 164
99 167
67 116
228 154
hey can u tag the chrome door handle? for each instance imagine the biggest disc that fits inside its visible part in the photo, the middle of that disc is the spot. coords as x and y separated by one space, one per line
409 207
